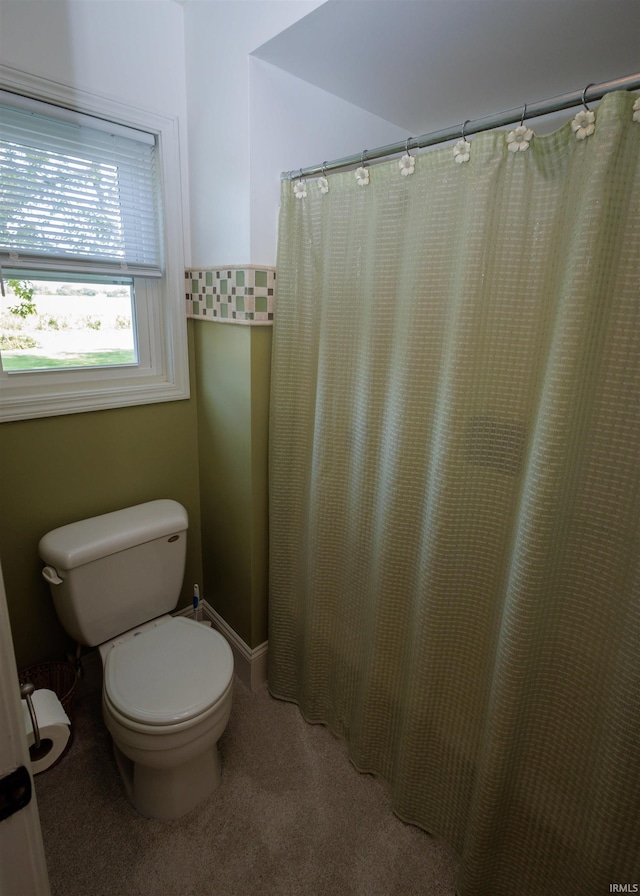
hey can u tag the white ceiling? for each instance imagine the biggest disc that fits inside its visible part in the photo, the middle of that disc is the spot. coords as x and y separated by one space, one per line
428 64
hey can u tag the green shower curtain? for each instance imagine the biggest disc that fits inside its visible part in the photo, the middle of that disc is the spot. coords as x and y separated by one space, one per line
455 492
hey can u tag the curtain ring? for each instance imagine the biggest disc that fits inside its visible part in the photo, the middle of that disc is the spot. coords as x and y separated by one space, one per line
363 159
584 93
524 112
464 136
324 169
406 146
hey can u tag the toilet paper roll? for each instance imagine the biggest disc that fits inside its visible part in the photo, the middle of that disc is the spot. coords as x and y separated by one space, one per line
53 724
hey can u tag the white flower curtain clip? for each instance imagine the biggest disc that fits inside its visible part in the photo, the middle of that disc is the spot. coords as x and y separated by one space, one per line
584 123
323 183
462 149
519 139
362 173
636 110
300 187
407 163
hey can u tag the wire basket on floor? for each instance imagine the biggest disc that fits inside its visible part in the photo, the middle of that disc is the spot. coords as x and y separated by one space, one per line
60 678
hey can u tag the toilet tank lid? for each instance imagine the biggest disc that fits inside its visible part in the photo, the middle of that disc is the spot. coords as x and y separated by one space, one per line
86 540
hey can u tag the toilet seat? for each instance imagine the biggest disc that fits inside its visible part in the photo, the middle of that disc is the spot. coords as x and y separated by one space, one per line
168 675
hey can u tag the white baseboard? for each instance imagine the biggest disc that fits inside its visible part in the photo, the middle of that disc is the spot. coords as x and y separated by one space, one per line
249 665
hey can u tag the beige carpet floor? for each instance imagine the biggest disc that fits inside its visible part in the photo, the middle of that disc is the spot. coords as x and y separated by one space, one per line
292 817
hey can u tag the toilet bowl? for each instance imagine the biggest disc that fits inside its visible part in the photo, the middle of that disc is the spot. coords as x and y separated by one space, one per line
166 700
166 695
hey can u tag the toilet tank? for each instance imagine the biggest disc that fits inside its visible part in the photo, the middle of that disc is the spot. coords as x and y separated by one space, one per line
113 572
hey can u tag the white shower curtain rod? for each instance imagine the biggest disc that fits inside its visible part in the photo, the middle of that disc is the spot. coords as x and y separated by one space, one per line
591 93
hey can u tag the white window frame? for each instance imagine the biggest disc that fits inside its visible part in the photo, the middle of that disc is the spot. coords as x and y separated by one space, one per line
161 318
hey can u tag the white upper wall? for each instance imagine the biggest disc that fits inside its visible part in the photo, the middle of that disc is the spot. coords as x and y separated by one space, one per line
219 37
295 125
248 122
130 51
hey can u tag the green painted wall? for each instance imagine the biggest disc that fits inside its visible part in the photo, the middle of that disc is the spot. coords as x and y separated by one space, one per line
260 388
59 469
209 453
232 372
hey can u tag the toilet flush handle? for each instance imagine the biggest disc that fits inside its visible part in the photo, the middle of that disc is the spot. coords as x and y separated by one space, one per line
51 576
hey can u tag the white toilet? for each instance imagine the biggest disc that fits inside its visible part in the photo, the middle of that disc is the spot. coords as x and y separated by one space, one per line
166 696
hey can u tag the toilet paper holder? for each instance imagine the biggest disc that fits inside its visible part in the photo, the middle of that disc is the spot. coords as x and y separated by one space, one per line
53 683
26 690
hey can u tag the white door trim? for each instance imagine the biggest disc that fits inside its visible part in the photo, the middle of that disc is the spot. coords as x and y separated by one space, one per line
23 868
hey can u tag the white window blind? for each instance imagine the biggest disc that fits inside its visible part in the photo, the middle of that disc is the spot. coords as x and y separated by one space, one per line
77 193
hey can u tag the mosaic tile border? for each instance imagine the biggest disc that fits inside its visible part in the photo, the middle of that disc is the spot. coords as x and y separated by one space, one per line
231 295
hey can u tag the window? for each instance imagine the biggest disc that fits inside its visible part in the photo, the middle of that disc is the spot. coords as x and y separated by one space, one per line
91 252
49 324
